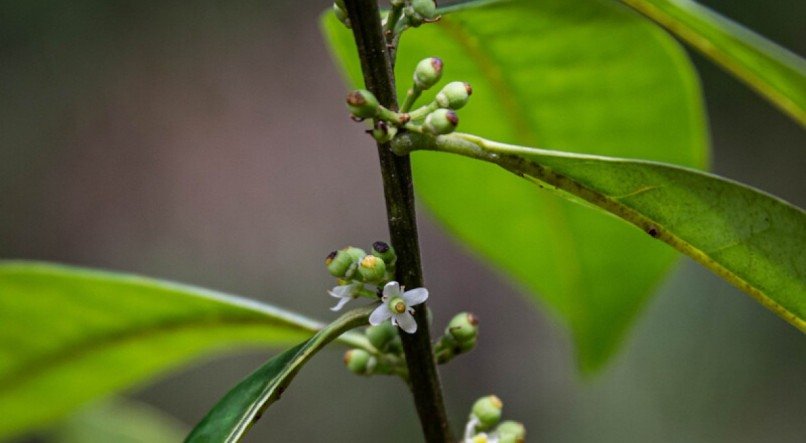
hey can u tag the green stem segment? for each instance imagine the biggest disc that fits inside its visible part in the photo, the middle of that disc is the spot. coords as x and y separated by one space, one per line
376 66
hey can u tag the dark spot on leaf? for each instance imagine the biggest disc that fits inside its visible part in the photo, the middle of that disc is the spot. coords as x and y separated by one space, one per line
652 231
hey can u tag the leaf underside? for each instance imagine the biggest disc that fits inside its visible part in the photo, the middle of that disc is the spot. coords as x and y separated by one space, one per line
750 238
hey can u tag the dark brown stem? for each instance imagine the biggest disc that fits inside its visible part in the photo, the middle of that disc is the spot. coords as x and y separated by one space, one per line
399 192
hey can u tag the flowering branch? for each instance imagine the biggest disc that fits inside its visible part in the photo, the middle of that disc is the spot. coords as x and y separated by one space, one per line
399 194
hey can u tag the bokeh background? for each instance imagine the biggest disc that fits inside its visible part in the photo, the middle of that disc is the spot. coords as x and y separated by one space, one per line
207 142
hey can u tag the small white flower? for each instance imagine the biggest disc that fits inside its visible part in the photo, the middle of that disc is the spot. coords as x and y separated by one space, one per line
397 305
345 293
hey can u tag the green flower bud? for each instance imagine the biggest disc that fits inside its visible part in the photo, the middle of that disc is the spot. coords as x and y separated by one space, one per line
359 361
488 411
356 253
381 335
467 346
511 432
385 252
338 263
454 95
396 345
441 121
371 269
341 14
428 73
426 9
463 328
363 104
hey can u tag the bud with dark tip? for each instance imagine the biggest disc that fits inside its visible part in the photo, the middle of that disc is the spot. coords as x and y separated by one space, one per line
372 269
511 432
488 412
339 263
441 121
359 361
463 328
427 73
454 95
384 252
362 104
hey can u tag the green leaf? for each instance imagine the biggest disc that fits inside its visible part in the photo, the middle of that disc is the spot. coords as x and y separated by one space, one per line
774 72
119 421
70 335
582 75
236 412
751 239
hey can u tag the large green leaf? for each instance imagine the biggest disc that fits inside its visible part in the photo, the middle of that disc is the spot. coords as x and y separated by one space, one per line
119 421
69 335
582 75
774 72
751 239
237 411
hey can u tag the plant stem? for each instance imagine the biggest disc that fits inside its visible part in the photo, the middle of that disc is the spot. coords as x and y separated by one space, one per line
399 193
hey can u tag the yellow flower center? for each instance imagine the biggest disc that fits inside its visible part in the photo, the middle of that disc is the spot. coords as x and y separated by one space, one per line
399 306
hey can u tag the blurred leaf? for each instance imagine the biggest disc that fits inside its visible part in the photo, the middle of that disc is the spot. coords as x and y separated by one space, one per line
774 72
70 335
119 421
233 415
579 75
751 239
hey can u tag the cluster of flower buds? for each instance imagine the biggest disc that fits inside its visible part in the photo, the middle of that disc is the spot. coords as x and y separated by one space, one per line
436 118
481 425
387 359
460 337
354 269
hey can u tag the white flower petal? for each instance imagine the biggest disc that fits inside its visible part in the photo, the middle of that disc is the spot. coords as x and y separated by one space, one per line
415 296
340 291
392 289
406 322
341 303
380 314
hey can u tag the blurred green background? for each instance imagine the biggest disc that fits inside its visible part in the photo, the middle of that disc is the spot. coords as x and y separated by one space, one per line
207 142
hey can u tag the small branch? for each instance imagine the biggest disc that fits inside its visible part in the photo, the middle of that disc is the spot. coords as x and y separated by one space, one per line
399 193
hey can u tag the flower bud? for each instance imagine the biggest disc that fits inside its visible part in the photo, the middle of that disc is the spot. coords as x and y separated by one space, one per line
463 328
426 9
511 432
341 14
427 73
385 252
359 361
356 253
467 346
363 104
441 121
371 269
454 95
381 335
338 263
488 411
